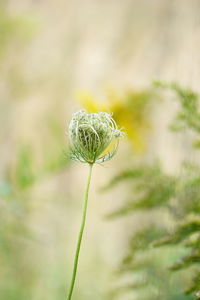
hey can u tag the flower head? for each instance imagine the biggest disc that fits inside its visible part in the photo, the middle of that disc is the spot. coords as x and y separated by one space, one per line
91 134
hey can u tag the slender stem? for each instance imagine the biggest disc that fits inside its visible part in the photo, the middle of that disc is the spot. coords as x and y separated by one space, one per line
80 235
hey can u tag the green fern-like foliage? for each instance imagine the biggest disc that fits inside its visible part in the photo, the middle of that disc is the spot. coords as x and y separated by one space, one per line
163 258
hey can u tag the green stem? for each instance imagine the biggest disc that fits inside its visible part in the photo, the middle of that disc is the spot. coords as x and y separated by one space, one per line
80 235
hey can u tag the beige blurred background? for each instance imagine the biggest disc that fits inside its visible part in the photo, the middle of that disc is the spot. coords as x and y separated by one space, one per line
50 51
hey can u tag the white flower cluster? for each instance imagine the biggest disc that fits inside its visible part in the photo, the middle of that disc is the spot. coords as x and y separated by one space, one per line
90 136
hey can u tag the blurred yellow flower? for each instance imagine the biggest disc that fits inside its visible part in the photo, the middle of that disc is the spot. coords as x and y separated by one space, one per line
130 110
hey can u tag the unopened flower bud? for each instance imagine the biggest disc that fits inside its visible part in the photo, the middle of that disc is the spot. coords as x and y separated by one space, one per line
91 134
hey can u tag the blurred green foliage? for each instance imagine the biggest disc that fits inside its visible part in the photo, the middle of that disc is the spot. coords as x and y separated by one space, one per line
162 261
22 167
